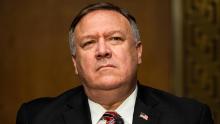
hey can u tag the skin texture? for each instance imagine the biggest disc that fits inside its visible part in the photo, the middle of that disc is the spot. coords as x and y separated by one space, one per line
107 57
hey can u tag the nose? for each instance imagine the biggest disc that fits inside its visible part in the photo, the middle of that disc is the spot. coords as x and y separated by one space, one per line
102 50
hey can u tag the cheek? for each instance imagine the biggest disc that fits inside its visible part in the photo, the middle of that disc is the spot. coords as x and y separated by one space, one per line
127 58
86 64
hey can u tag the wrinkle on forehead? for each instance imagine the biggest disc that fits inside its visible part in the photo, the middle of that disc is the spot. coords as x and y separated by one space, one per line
105 35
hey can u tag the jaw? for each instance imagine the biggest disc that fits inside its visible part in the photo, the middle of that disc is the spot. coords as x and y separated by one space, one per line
112 98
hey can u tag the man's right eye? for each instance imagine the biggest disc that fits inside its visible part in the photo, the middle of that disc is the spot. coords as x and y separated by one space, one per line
88 44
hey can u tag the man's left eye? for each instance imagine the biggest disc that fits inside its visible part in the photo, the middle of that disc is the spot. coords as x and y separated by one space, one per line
116 38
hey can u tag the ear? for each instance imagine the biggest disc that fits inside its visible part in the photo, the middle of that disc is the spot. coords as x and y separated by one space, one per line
139 51
74 63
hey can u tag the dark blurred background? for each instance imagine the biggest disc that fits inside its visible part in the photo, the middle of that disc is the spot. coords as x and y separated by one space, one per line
180 38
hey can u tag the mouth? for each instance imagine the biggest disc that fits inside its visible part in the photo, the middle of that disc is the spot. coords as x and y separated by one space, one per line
105 67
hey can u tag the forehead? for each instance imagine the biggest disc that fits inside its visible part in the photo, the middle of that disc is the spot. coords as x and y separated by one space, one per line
103 20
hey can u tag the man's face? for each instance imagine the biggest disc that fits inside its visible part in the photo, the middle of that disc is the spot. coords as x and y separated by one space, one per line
107 55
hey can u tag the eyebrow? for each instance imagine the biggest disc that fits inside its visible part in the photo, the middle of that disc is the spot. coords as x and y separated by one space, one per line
89 36
113 32
106 34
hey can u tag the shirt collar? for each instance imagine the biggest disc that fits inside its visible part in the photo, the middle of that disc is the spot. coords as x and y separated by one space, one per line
125 110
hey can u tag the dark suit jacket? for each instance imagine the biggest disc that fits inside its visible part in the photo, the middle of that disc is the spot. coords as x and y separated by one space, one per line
72 108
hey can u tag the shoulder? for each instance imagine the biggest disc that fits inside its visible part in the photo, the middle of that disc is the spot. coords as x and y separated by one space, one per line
32 108
40 103
179 107
166 98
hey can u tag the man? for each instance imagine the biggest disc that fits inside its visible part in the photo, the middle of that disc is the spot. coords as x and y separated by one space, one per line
106 51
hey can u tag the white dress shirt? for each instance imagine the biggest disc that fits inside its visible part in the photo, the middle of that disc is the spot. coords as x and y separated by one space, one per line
125 110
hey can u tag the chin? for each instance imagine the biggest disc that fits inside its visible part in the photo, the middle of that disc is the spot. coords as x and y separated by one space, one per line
109 84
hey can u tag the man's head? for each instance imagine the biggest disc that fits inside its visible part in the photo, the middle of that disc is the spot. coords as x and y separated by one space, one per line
101 6
105 46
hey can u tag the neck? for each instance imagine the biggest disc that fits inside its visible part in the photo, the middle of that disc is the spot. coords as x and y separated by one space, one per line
110 99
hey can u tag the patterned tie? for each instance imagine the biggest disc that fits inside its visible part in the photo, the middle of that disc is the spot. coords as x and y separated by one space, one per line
111 118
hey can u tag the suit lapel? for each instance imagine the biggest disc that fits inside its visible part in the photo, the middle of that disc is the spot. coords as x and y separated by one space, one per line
78 112
145 111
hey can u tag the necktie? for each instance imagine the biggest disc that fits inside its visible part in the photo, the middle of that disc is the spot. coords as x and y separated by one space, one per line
111 118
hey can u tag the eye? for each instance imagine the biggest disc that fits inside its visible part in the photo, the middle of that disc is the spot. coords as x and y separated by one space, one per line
88 44
116 38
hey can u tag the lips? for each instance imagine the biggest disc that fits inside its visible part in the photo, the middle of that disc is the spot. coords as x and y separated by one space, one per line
105 66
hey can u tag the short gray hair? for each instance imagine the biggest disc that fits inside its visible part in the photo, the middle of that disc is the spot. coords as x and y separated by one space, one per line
101 6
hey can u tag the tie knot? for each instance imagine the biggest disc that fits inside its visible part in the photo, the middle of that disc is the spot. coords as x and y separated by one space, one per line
111 117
